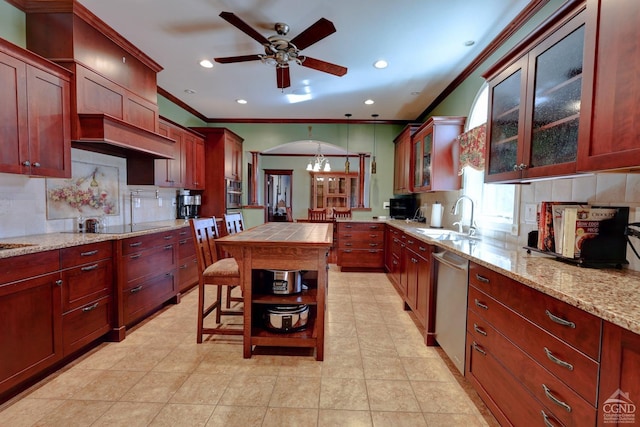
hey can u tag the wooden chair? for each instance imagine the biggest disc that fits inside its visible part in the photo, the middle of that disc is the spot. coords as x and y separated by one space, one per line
341 213
213 271
317 215
234 223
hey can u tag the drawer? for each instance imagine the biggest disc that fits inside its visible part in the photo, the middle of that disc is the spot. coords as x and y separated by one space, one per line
577 327
78 255
142 264
501 391
360 226
86 324
81 285
419 247
365 258
183 233
187 273
147 296
569 407
571 366
136 244
186 247
361 237
24 266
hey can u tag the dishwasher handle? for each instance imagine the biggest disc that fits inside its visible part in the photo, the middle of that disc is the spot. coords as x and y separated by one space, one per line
440 257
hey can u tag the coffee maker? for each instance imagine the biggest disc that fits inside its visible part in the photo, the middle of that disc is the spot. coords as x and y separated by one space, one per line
188 204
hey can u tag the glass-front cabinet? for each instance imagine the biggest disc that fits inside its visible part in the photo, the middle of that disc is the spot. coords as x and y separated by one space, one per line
434 158
333 190
535 108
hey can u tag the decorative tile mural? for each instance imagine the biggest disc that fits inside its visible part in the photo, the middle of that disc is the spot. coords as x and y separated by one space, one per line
91 191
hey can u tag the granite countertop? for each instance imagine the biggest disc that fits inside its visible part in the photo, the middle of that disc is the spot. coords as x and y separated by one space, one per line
609 293
13 246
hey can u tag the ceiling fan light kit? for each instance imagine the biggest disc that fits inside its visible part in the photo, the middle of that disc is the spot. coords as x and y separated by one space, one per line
280 51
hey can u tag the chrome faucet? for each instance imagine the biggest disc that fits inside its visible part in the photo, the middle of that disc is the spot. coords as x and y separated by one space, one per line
472 223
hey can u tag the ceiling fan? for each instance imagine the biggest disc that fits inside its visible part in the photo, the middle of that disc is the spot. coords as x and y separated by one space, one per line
279 50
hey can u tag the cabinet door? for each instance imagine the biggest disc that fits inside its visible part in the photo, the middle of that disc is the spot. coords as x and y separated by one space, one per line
619 372
505 132
233 158
555 91
170 172
49 124
402 166
13 115
31 319
194 162
610 141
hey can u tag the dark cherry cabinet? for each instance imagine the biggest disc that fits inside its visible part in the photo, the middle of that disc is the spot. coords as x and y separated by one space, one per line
402 160
610 139
434 155
187 261
619 372
35 117
172 172
31 316
360 246
535 97
223 174
195 168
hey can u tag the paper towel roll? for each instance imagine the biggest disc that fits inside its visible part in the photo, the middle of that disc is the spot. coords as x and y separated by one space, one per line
436 215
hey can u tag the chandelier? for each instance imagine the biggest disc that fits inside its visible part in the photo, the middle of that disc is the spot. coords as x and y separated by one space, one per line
319 163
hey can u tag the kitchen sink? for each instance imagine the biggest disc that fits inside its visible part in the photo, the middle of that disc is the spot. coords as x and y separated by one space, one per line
444 235
14 245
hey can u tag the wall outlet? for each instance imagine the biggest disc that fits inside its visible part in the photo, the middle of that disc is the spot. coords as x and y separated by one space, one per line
530 213
385 205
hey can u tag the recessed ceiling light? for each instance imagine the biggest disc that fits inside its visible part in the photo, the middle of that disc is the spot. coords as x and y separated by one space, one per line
241 101
206 63
469 43
415 93
189 91
369 102
380 64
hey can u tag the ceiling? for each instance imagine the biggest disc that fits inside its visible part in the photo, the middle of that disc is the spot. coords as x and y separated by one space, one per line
422 40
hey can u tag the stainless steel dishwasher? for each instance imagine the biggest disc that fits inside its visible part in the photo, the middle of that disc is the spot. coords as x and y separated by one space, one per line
452 275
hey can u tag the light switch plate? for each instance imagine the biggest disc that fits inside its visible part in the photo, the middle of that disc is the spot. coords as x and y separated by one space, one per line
385 205
530 213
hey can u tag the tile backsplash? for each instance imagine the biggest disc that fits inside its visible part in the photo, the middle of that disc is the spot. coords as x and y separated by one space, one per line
23 209
613 189
23 205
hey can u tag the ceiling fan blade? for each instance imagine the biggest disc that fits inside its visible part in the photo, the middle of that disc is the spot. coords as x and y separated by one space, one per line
327 67
231 59
316 32
244 27
283 77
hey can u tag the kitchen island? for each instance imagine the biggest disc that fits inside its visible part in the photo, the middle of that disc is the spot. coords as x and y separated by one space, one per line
283 246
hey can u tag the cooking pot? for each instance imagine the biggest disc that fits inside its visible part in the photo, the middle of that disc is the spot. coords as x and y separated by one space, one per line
286 318
283 282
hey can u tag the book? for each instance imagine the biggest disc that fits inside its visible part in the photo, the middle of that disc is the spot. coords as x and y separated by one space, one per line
581 224
546 231
557 221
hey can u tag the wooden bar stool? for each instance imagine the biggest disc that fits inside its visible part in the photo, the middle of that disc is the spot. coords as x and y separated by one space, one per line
234 223
213 271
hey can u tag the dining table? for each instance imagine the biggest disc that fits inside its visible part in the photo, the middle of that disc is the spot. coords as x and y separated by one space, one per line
282 246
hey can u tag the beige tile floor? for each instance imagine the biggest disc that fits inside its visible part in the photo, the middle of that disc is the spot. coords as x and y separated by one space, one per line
377 372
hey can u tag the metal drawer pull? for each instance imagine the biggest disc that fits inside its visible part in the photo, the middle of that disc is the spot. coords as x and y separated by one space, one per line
373 236
560 362
133 245
183 242
136 289
347 251
373 251
410 242
168 247
479 330
479 349
89 253
413 260
373 245
373 227
348 226
168 237
89 267
59 282
348 244
559 320
90 308
482 278
481 305
546 419
554 399
136 256
422 248
183 266
347 235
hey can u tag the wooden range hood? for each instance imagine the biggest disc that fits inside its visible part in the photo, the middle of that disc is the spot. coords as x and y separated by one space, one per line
114 87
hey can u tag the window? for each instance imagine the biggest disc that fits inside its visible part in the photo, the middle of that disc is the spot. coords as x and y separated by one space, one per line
495 204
